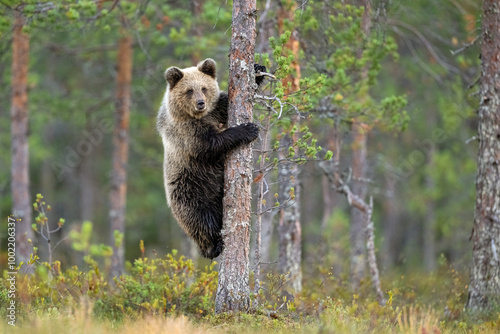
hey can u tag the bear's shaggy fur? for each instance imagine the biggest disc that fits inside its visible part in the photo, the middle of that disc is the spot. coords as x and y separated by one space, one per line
192 122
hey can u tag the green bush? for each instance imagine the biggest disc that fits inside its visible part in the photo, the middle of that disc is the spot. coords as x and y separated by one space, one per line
168 285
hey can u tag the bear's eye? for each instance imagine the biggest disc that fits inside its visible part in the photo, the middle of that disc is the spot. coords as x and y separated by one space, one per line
189 91
204 90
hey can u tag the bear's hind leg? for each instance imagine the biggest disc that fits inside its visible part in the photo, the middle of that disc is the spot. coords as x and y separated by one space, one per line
215 250
206 231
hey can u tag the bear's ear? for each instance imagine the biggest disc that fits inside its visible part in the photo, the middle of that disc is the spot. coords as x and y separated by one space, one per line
173 75
208 67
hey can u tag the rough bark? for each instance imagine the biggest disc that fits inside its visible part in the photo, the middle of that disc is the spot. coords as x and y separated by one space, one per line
289 229
21 200
120 152
233 290
484 287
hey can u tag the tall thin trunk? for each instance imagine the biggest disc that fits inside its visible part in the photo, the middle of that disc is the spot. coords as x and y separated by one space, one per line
484 287
265 26
359 186
358 218
47 185
289 229
120 153
327 202
233 290
391 226
87 188
198 33
260 208
263 227
21 200
267 228
429 242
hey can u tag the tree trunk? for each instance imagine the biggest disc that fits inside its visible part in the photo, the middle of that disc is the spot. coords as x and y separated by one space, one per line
233 290
429 242
484 287
327 202
359 186
198 33
267 235
87 187
391 226
264 222
358 218
258 227
120 153
21 200
289 229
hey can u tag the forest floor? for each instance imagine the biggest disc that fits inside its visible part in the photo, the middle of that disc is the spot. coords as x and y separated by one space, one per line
410 320
168 295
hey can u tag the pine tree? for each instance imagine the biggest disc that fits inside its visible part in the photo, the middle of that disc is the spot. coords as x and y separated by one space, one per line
484 288
118 192
233 291
20 184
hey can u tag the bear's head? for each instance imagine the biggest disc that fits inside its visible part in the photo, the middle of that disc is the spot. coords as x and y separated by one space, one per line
193 91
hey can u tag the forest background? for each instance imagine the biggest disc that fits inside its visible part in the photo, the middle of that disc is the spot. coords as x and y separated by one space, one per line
421 95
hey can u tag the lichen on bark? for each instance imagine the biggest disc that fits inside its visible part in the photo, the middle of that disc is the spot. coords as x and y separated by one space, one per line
484 287
233 290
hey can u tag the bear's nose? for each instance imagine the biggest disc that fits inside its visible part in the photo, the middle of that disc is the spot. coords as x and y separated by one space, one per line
200 104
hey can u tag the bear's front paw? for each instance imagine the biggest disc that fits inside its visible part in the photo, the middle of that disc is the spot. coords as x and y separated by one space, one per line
257 69
251 130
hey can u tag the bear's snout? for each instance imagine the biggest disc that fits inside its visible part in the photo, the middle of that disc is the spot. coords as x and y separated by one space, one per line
200 105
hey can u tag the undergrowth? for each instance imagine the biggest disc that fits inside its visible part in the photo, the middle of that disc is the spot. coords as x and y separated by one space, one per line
169 295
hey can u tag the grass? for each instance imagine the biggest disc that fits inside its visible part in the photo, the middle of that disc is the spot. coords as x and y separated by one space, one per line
169 295
410 320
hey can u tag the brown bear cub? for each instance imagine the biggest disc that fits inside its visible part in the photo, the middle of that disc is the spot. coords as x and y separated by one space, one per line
192 122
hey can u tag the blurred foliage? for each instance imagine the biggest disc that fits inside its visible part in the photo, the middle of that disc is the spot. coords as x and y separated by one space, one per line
336 46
